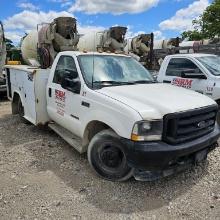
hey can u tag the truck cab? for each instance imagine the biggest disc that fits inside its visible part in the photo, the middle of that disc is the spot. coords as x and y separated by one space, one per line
109 106
198 72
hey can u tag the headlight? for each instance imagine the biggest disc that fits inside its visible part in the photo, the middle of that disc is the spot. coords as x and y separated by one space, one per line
147 131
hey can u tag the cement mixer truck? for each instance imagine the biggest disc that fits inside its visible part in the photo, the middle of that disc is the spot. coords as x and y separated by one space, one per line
140 48
2 59
146 50
40 47
111 40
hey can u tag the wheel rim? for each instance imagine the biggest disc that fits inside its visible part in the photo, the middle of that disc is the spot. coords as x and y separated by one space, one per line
111 158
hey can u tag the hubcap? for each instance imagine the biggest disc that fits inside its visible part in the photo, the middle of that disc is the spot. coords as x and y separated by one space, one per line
111 156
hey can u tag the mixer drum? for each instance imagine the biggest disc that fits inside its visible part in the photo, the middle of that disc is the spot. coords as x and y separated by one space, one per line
29 48
43 45
65 26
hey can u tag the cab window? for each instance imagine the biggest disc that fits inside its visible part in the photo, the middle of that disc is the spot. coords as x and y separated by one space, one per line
178 65
65 65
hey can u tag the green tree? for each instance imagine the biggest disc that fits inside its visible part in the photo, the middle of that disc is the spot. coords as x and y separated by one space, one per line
197 33
211 20
207 25
192 35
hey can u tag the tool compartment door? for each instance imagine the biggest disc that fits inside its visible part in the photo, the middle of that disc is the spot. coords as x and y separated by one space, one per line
22 84
40 85
30 84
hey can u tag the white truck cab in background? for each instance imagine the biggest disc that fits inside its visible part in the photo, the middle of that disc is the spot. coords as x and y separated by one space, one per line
198 72
109 106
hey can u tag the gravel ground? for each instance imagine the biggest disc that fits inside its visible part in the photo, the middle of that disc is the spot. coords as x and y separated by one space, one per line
42 177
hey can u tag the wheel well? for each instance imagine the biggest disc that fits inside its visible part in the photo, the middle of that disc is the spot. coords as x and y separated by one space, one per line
91 130
14 104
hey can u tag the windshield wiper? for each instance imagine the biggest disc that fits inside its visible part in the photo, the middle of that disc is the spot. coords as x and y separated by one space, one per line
113 82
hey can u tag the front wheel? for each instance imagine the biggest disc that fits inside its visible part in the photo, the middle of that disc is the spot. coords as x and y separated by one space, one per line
107 157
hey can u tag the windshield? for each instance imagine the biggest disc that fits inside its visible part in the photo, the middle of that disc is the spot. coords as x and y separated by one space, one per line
212 63
108 70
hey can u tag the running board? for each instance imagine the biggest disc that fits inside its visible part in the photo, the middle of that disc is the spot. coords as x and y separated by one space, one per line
70 138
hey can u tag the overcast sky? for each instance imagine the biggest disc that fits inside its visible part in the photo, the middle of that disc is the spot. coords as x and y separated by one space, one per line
166 18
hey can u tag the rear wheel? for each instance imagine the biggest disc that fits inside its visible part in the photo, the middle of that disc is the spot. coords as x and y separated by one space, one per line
107 157
20 110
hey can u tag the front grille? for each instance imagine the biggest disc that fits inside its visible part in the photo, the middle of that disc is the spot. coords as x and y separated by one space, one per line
187 126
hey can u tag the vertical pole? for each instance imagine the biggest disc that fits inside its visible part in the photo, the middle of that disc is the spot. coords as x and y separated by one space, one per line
151 50
177 44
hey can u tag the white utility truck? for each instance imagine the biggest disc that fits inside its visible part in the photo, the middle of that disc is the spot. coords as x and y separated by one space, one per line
198 72
109 106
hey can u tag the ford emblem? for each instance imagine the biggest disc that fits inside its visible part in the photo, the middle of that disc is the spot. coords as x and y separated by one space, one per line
201 124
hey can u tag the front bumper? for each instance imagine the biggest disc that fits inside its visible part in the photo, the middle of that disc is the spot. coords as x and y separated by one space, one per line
160 156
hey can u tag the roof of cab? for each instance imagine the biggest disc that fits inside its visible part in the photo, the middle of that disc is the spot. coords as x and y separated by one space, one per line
191 55
78 53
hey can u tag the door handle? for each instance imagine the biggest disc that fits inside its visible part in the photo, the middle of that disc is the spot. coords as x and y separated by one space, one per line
50 92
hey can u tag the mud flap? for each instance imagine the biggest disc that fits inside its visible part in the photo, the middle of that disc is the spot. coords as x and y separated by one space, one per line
201 156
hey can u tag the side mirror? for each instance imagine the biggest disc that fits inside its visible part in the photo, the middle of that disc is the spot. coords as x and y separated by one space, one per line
192 74
70 74
72 85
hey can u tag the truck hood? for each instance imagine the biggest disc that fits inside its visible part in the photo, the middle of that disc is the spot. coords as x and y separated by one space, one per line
153 101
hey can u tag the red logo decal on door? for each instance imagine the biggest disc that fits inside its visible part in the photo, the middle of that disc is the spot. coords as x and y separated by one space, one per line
60 98
186 83
60 95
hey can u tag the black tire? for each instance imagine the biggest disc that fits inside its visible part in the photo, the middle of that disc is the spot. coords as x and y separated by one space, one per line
107 157
218 115
20 109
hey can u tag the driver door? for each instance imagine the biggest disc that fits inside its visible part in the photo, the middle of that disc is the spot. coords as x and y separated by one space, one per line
64 104
174 74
